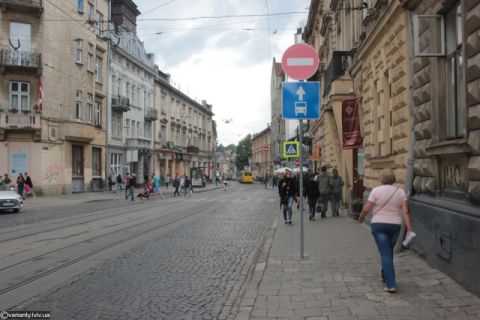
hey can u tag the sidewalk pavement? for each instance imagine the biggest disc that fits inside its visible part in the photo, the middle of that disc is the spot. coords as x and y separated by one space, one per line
78 198
339 278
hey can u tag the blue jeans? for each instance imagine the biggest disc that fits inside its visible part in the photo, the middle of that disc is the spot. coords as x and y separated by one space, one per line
386 235
287 209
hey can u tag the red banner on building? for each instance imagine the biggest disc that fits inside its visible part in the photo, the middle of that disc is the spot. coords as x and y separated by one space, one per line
352 138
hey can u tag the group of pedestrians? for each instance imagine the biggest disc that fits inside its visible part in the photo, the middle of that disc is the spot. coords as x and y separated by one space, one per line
182 184
319 190
23 185
387 203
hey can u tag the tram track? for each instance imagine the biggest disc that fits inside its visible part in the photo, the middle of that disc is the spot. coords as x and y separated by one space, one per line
74 220
91 247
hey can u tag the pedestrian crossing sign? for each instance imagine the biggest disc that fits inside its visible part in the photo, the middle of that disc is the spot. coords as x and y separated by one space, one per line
291 149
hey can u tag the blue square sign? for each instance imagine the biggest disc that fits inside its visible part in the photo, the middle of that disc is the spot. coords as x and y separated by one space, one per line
301 100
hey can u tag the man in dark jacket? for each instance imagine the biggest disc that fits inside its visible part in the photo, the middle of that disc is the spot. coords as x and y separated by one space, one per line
287 190
336 184
324 187
312 193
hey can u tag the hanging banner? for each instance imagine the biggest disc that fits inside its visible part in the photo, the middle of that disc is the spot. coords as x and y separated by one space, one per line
352 138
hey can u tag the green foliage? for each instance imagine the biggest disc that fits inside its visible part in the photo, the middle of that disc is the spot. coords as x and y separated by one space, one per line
243 152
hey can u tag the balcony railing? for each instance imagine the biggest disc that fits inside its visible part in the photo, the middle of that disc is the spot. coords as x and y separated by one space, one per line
35 6
20 60
336 68
140 143
120 103
151 114
20 121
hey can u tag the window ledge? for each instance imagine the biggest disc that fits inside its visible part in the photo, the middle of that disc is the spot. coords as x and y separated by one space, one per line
382 161
448 147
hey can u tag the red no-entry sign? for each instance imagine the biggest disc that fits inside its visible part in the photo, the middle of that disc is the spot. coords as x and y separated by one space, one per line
300 61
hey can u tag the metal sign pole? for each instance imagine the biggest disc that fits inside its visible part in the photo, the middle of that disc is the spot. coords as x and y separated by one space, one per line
301 187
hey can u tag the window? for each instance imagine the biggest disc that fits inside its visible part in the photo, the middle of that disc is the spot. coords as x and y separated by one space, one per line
127 126
78 110
455 98
90 66
91 13
99 23
19 96
163 103
115 162
117 125
98 108
428 35
80 6
98 69
90 112
77 161
96 162
78 51
78 95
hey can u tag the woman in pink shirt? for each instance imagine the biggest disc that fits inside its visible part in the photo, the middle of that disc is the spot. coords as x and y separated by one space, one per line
390 207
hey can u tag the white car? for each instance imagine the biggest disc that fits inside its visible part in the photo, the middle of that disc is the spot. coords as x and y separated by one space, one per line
10 200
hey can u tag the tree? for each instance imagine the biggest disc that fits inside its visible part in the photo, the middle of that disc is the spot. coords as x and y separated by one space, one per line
243 152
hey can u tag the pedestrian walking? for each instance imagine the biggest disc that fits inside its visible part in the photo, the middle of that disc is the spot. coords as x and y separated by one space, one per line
312 194
336 184
167 181
389 207
225 182
20 184
110 179
7 182
119 183
28 186
129 187
176 185
323 180
187 186
182 183
287 190
156 183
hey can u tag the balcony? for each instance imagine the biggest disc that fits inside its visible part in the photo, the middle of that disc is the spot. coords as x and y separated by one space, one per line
138 143
20 122
151 114
33 6
192 149
120 103
11 60
337 68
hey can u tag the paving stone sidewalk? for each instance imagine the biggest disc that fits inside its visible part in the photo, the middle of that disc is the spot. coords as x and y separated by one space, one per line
339 279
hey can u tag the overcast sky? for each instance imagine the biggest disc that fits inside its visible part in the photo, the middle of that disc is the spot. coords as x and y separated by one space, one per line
225 61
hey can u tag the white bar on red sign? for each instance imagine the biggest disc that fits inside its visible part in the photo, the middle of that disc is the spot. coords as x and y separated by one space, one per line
300 61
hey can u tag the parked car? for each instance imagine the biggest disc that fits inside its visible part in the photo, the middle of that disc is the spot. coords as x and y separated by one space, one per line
10 200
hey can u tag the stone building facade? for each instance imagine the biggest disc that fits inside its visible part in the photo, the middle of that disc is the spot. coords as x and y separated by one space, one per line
278 123
414 66
261 160
446 114
186 135
132 113
59 50
381 78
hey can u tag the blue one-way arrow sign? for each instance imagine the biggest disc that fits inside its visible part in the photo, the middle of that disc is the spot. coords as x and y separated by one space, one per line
301 100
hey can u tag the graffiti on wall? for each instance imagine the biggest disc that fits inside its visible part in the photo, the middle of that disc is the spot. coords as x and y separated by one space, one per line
52 173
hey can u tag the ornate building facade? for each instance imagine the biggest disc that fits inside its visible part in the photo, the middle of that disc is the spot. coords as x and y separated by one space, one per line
53 65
